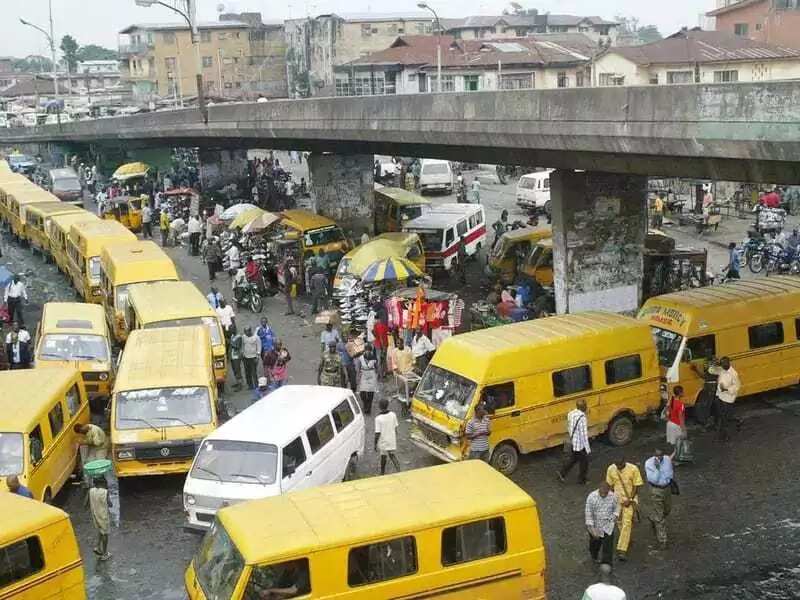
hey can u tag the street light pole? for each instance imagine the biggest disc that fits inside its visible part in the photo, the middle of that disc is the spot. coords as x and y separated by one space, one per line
190 14
425 6
52 44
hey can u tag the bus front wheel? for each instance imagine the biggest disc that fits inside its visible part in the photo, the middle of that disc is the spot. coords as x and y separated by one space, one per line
505 458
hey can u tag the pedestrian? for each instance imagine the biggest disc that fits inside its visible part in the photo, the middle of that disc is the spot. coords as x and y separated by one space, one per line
267 337
475 191
381 344
577 443
227 318
675 412
331 370
214 296
15 487
261 390
147 222
367 378
276 363
163 225
421 348
17 351
461 261
16 293
364 237
330 335
402 360
477 431
94 441
251 355
604 589
100 505
728 386
289 285
195 229
235 344
732 270
602 512
234 256
659 472
319 290
348 361
625 479
386 435
658 211
500 227
213 259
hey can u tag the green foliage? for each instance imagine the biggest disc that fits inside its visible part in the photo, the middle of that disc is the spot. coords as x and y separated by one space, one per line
95 52
33 64
70 49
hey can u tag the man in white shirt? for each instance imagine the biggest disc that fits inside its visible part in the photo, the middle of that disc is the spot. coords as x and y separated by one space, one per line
14 295
604 590
195 228
421 347
577 442
386 435
22 334
226 318
147 222
101 198
233 260
601 514
728 386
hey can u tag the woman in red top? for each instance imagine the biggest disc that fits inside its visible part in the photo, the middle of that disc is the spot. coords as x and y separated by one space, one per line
676 417
381 344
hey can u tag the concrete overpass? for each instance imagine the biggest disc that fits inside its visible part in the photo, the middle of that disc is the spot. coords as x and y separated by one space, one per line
737 132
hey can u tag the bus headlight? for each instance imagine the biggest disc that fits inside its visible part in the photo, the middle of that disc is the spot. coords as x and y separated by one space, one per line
97 292
103 376
219 364
188 500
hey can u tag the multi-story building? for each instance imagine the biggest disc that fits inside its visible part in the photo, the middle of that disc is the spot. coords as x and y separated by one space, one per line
96 74
696 56
240 59
506 26
776 22
318 45
410 66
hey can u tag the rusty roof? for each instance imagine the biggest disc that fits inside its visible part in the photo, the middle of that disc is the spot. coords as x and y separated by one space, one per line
733 6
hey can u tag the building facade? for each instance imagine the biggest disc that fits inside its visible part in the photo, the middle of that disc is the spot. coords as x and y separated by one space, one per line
241 59
508 26
317 45
696 56
775 22
409 65
96 74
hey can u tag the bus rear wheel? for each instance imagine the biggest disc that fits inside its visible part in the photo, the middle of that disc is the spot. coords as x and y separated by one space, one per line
505 458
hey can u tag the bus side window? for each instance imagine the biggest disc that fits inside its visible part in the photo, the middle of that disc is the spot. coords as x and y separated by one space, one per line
698 348
20 560
291 577
36 444
294 455
499 396
448 238
462 227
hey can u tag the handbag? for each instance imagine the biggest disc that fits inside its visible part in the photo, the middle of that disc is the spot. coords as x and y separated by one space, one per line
568 441
674 488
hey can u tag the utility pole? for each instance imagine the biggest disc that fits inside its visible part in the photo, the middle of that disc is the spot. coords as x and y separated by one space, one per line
425 6
51 42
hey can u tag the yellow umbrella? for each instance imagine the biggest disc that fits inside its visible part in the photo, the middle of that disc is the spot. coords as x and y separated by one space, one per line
245 217
261 222
131 170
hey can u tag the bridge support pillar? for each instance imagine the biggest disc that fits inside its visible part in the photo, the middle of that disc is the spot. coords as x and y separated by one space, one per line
219 168
599 229
342 188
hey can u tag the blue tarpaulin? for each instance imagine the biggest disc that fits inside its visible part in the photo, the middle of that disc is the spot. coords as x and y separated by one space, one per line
5 278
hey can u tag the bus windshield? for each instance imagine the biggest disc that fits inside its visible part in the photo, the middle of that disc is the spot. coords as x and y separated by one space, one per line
11 454
236 462
667 344
210 322
218 564
163 407
411 212
431 239
446 391
324 235
73 346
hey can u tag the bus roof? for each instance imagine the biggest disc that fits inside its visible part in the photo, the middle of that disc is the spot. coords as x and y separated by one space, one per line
402 197
436 219
18 388
305 220
533 234
145 261
714 307
93 235
368 509
283 415
515 350
25 515
168 300
65 220
165 357
73 317
52 208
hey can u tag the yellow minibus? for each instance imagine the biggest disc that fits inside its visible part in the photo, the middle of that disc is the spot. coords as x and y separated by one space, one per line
57 228
18 200
38 551
8 182
461 531
84 245
164 401
755 322
36 217
529 376
176 304
122 265
75 333
37 441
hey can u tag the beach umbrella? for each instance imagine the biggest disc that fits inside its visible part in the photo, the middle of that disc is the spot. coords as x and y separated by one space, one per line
131 170
390 269
261 222
244 217
234 211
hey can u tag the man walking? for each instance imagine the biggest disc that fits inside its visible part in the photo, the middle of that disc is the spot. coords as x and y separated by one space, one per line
728 385
235 343
99 505
331 370
289 286
163 224
330 335
348 361
478 430
251 354
625 479
147 222
386 435
319 290
195 228
15 294
213 259
602 512
577 443
658 470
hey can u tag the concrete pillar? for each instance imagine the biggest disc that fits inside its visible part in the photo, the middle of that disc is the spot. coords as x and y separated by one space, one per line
219 168
342 188
599 229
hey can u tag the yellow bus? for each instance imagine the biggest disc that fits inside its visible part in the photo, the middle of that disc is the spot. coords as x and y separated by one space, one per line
85 243
38 551
394 206
529 376
17 200
314 232
461 531
37 442
755 322
8 182
164 401
122 265
57 228
36 217
75 333
176 304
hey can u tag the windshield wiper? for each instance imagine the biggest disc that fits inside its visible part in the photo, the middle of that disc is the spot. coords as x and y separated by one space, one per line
153 427
50 355
209 471
247 476
174 419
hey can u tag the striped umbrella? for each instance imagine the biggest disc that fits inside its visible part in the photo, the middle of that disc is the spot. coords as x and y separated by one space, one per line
390 269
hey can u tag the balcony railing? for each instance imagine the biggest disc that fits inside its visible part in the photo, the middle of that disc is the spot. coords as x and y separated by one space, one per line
140 48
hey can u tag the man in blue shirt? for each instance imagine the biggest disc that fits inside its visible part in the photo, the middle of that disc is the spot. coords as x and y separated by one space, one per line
15 487
267 337
658 469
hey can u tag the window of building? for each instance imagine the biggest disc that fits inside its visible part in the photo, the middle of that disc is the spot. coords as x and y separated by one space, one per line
342 415
471 83
758 26
382 561
768 334
604 30
654 80
680 77
579 79
498 396
726 76
448 83
622 369
222 35
236 34
366 30
344 86
294 455
563 79
559 29
583 30
208 61
740 29
56 418
168 37
572 381
320 434
609 79
20 560
473 541
238 84
362 85
205 37
517 81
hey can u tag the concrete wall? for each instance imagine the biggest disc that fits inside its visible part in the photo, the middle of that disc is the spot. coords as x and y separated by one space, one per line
342 188
219 168
599 228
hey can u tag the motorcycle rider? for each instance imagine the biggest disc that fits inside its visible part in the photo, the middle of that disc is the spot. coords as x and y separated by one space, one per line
793 241
239 284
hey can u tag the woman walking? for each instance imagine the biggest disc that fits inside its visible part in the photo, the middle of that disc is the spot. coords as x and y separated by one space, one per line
368 378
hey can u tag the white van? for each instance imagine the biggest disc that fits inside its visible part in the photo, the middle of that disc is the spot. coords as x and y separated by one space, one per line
441 229
533 191
435 175
299 436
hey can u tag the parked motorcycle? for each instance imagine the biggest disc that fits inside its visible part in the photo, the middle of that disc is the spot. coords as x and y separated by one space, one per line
247 294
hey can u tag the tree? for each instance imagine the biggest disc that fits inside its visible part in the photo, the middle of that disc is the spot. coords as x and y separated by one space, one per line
33 64
649 33
95 52
640 34
70 49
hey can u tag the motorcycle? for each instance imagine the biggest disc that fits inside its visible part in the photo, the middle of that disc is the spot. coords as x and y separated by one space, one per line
783 260
246 294
753 244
